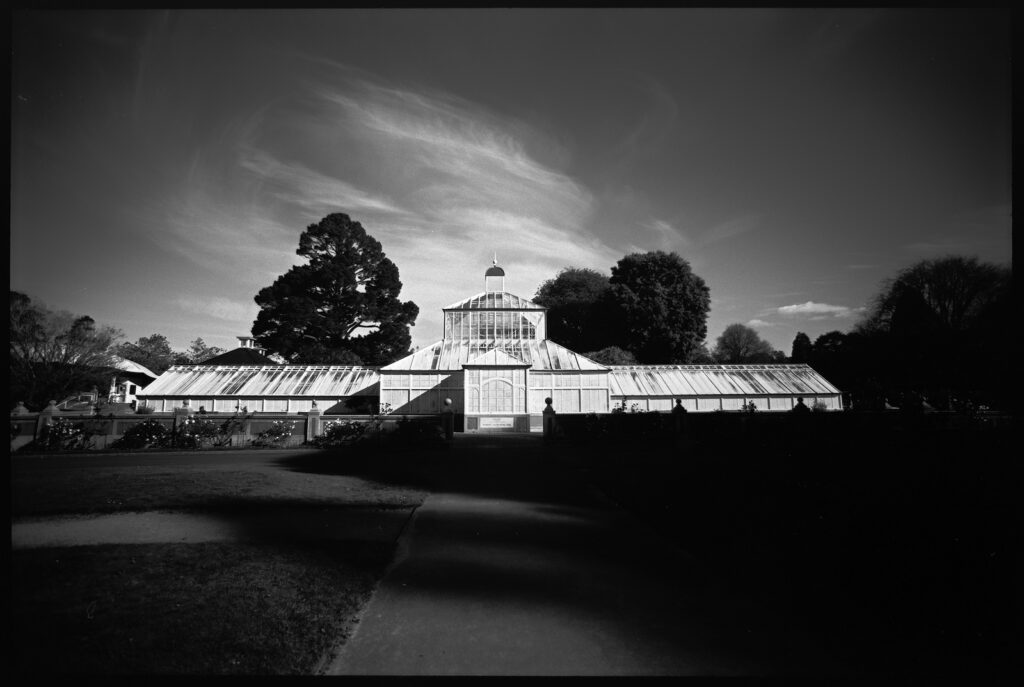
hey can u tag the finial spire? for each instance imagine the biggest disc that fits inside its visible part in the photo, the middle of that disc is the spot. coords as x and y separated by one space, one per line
494 277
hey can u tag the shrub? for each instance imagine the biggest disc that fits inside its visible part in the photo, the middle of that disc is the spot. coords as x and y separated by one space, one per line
192 432
276 434
147 433
61 434
595 428
417 432
749 407
340 432
819 407
145 410
227 429
361 405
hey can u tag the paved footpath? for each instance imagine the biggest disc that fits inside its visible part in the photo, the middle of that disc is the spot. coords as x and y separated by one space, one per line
516 568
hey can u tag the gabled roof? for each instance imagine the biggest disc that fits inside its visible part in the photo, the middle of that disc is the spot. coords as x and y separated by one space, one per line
494 300
240 356
133 367
717 380
273 380
453 354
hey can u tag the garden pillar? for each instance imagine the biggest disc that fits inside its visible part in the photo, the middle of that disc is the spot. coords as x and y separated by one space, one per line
313 423
45 418
181 414
20 409
448 420
550 427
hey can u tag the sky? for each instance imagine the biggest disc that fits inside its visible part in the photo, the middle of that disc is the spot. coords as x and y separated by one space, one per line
164 163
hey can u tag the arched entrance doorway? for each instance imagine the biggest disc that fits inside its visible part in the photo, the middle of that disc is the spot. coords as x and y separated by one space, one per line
496 399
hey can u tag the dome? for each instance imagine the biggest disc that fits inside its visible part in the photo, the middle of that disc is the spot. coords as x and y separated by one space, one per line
494 271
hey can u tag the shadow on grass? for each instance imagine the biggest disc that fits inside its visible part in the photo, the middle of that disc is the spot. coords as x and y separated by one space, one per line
186 609
511 466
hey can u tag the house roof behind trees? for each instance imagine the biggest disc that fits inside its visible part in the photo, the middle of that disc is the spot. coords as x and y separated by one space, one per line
133 367
240 356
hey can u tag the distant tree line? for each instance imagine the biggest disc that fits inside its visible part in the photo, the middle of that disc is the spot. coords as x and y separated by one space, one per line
56 354
936 333
154 352
653 309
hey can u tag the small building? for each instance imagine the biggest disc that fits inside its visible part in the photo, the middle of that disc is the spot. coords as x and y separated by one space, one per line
496 366
131 379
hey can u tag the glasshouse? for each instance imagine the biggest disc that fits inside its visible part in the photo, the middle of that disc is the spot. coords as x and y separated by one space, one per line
497 368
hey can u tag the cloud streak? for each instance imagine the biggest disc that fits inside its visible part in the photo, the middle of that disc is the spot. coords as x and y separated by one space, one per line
818 310
440 181
219 308
730 229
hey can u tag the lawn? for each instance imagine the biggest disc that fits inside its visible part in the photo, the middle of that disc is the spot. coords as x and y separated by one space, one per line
897 544
200 609
92 490
275 606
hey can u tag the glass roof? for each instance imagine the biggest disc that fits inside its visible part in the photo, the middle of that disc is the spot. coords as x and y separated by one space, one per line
717 380
278 380
453 354
494 300
632 380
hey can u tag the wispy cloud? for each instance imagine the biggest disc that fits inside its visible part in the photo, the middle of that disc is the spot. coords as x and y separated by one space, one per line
219 308
814 310
667 236
760 323
656 121
439 180
299 185
730 229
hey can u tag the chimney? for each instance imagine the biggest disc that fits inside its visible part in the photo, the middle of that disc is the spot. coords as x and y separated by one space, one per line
250 342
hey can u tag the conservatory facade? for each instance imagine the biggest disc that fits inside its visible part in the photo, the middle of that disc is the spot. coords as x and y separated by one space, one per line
496 366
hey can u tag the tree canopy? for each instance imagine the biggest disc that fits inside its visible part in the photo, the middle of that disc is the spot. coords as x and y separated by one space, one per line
802 346
55 354
739 344
196 353
574 299
658 307
612 355
342 306
938 329
153 352
946 295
